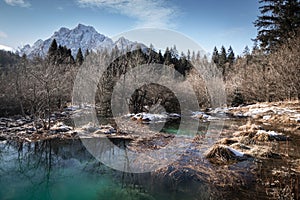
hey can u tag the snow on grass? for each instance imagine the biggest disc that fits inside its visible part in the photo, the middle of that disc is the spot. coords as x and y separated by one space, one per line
267 117
266 112
89 127
60 127
174 115
270 133
200 115
236 152
151 117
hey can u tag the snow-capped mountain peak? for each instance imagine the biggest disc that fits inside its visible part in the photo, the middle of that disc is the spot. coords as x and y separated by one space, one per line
6 48
82 36
124 44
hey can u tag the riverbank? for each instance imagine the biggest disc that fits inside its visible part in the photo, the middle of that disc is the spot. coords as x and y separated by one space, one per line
258 147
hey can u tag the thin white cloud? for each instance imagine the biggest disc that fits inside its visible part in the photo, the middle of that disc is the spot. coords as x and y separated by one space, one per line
149 13
21 3
3 35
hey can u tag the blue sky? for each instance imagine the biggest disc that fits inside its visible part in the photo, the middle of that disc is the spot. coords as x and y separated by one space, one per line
210 23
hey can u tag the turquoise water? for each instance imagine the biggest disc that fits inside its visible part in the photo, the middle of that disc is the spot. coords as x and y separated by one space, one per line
65 170
59 170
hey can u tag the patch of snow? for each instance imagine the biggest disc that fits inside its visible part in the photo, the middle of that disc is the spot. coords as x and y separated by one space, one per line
296 117
60 127
266 117
174 115
129 115
220 110
210 118
270 133
236 152
3 142
200 115
150 117
204 116
106 129
72 108
154 117
257 111
90 127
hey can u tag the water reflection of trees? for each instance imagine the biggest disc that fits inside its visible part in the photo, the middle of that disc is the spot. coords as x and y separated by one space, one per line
42 163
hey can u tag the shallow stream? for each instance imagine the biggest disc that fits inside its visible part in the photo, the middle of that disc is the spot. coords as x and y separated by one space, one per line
64 169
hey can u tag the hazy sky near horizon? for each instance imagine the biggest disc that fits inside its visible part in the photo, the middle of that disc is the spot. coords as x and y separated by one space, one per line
208 22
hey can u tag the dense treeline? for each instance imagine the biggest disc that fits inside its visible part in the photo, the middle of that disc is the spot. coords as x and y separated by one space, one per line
42 85
257 76
36 87
117 64
271 71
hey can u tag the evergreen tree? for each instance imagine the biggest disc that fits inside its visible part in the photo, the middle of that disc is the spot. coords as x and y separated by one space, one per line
53 48
246 51
230 55
193 56
174 52
222 57
53 52
182 64
64 55
255 47
222 61
167 57
188 56
160 57
79 57
246 54
87 52
198 55
153 56
215 56
279 21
